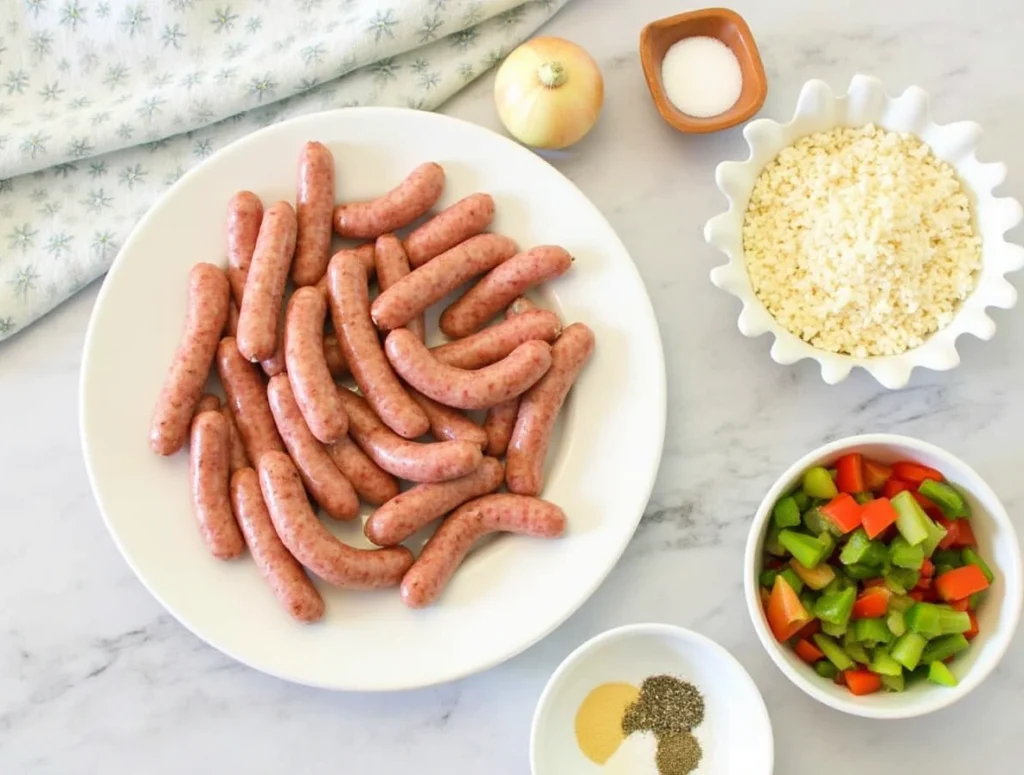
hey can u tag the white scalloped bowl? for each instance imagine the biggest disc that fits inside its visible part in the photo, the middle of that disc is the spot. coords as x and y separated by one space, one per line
818 109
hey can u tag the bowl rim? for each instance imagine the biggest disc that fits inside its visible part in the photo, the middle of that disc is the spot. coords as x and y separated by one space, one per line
675 631
942 697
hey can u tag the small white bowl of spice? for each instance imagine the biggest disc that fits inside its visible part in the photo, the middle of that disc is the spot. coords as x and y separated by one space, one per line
863 234
651 699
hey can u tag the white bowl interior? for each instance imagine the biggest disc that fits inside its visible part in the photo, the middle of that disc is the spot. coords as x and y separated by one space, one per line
997 616
736 735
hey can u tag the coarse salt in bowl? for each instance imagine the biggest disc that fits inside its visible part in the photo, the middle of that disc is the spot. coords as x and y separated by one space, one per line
997 615
865 102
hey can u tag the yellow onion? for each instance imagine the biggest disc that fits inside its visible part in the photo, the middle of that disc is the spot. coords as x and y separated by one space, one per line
549 92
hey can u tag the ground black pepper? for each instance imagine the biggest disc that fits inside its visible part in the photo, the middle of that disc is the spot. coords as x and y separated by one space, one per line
679 753
666 705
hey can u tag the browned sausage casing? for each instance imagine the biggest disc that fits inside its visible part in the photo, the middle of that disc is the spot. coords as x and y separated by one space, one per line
447 424
245 214
208 301
397 208
322 478
312 544
373 483
480 389
308 373
539 408
448 228
447 548
209 455
350 302
289 583
238 457
392 265
314 207
408 297
406 513
247 397
410 460
495 342
260 313
501 286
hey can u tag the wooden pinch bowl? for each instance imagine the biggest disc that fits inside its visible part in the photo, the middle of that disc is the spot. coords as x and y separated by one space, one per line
725 25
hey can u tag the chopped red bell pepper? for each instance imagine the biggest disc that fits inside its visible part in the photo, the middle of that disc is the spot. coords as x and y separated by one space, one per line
965 535
894 487
808 630
926 504
850 473
862 682
923 582
934 512
961 583
927 568
876 516
960 605
871 603
869 583
786 614
952 528
839 679
808 652
875 475
917 594
972 633
774 563
915 472
843 512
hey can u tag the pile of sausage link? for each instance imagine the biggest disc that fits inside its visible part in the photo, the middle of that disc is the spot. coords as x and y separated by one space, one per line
256 461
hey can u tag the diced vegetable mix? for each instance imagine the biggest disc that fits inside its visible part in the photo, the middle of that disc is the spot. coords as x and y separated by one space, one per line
872 574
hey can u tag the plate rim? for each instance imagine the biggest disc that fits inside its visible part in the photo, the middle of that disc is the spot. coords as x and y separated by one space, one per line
645 311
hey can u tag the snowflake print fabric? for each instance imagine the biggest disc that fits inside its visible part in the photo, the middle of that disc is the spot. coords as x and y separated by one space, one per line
104 104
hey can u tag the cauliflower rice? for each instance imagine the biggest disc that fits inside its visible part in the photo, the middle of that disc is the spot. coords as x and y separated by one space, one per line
860 241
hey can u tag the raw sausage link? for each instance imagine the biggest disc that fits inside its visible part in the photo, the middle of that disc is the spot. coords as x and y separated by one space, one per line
350 303
447 548
509 377
275 364
373 484
365 255
289 583
501 418
392 265
231 326
208 402
208 471
247 398
208 302
406 513
314 207
501 286
312 544
431 282
437 462
325 482
334 357
447 424
524 466
311 380
260 313
397 208
239 459
495 342
245 214
449 227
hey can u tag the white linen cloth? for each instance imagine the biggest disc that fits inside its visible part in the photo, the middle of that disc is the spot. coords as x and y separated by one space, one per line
106 103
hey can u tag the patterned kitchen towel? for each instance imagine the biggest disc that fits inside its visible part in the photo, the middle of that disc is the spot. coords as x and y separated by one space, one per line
106 103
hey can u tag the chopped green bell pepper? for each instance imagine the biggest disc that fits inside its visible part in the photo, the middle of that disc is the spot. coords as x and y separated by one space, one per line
863 497
857 546
943 648
808 599
818 483
903 555
971 557
976 600
871 632
815 578
933 620
767 578
832 651
896 622
883 664
854 649
935 535
808 550
794 580
940 674
834 630
859 571
801 499
786 513
900 580
950 557
949 501
825 669
836 607
893 683
911 520
907 649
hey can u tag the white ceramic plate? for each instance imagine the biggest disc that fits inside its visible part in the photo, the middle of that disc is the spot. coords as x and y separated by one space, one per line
511 592
735 736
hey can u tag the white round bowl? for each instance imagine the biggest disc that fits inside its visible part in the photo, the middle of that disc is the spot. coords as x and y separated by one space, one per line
818 109
736 735
997 616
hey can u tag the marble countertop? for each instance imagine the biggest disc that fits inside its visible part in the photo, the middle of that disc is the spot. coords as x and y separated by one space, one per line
96 677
